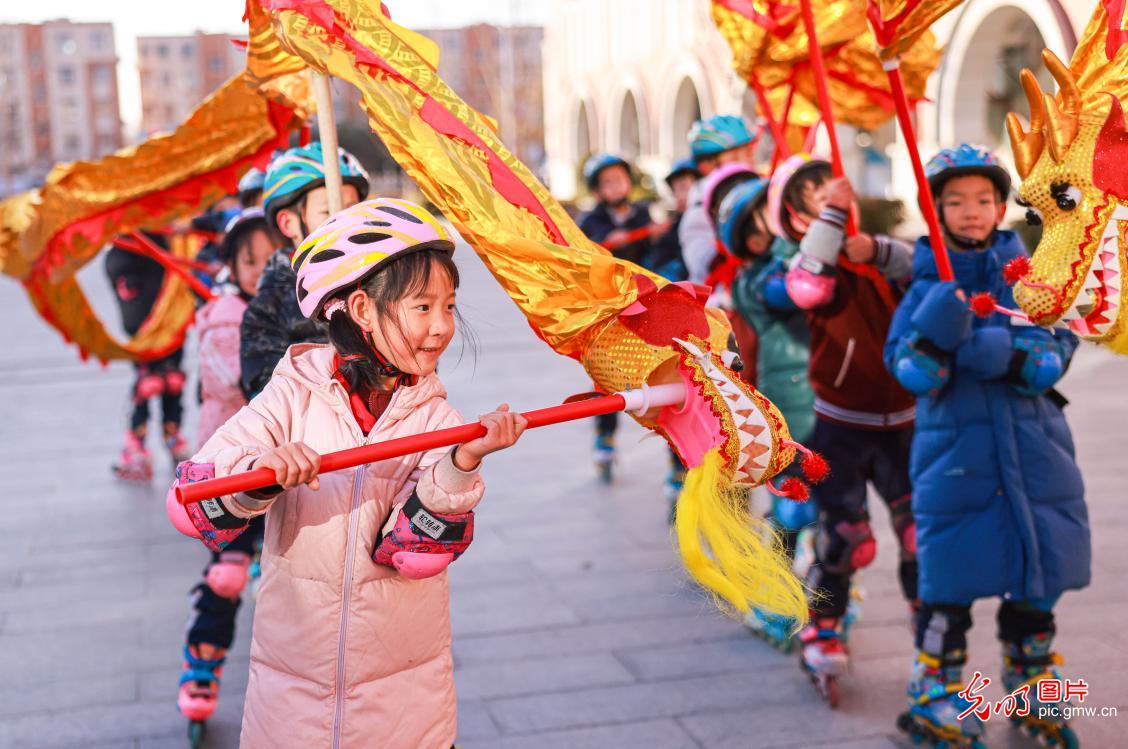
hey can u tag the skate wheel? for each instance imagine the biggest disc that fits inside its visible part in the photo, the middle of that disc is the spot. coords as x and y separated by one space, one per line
905 723
197 730
605 474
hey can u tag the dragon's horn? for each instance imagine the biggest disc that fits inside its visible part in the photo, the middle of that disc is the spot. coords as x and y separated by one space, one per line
1062 121
1027 147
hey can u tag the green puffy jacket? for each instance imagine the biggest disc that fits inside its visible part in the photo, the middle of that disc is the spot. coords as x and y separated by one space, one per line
759 295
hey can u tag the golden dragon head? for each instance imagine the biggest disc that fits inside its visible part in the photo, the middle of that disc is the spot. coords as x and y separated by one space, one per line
1072 163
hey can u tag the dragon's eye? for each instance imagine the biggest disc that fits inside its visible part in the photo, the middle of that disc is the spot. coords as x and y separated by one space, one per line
1065 195
1033 216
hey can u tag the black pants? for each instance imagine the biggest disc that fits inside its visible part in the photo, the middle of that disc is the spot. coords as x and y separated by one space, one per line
213 617
942 627
858 457
607 424
172 408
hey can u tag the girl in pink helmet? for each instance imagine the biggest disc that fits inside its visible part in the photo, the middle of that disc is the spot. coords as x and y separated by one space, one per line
352 629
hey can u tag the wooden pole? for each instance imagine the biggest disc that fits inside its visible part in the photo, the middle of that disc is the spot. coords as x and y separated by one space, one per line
327 134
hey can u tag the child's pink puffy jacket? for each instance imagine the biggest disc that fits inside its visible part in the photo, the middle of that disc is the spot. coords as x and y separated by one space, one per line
218 325
346 653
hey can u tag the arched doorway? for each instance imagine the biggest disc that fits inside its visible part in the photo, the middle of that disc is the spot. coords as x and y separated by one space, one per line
687 110
583 134
993 40
630 129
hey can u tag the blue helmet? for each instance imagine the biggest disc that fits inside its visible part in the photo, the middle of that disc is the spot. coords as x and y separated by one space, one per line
963 160
735 210
253 180
597 163
721 132
247 220
299 170
680 167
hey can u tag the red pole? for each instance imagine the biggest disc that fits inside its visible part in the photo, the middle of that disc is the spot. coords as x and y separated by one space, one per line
927 206
141 245
263 477
812 136
123 243
818 69
635 235
773 123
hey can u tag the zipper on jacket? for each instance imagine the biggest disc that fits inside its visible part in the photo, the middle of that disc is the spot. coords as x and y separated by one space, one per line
346 594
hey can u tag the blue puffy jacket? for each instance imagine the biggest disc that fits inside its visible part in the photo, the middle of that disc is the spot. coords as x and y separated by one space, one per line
997 495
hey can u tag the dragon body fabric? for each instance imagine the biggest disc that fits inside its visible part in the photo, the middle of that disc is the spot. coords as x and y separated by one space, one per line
627 327
49 233
1072 161
770 49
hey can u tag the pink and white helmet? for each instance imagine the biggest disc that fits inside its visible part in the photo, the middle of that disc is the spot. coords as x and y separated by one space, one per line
354 242
718 182
782 176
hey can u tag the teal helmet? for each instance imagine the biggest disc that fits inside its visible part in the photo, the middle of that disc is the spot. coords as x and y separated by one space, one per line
721 132
299 170
735 210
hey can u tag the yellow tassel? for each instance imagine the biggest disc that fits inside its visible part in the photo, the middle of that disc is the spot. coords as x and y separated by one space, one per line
732 554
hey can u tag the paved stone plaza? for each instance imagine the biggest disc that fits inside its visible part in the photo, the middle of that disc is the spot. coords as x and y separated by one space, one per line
573 625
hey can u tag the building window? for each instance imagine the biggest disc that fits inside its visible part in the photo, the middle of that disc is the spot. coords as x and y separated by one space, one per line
71 143
188 51
66 75
39 93
215 64
162 51
102 75
67 45
97 40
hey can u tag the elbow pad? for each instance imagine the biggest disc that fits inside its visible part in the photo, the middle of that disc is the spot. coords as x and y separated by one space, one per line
921 367
210 520
1035 365
421 543
810 282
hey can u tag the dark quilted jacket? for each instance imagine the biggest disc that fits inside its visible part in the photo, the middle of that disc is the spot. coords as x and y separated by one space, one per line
272 323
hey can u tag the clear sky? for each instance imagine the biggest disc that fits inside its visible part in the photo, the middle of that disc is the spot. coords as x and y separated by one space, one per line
133 18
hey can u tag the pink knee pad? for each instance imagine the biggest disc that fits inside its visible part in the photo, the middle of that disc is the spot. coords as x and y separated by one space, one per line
149 386
228 576
810 283
174 382
861 546
423 543
908 539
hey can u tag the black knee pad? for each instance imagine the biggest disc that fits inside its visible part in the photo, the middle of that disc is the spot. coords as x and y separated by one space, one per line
1018 621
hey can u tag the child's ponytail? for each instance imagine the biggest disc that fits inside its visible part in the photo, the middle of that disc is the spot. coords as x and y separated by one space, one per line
357 365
